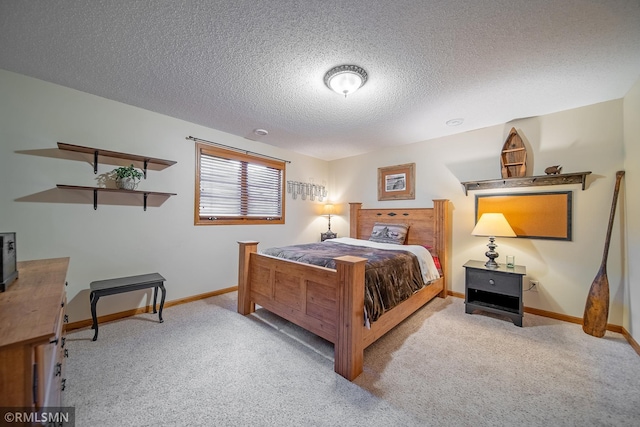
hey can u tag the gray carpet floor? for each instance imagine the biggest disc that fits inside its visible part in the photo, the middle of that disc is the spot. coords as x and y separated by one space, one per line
206 365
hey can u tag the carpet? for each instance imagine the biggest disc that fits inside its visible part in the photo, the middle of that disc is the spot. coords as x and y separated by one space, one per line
207 365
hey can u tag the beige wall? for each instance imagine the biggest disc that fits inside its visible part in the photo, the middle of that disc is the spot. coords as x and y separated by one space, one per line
632 205
122 240
114 240
584 139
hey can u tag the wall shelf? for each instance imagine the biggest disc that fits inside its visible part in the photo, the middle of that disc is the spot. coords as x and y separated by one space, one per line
96 190
527 181
98 152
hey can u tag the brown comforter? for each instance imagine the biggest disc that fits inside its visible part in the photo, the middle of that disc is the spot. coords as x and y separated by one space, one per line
390 276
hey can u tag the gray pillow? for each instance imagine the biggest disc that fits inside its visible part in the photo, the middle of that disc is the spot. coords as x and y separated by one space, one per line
389 233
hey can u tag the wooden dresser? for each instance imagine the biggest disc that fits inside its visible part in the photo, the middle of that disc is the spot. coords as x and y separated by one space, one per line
32 317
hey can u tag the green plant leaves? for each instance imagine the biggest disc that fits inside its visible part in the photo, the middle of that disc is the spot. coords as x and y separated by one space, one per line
127 172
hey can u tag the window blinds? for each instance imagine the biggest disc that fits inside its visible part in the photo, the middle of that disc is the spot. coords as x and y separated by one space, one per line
234 185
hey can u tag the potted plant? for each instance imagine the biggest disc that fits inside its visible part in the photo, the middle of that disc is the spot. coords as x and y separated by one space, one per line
127 177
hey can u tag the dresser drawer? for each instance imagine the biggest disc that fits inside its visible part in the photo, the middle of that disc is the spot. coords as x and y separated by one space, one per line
505 284
50 364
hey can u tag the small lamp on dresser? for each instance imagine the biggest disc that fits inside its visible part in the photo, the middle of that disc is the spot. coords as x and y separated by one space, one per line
492 225
328 210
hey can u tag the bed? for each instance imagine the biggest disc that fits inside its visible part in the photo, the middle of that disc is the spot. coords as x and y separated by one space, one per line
330 302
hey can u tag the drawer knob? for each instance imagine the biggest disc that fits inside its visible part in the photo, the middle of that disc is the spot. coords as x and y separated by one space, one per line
492 282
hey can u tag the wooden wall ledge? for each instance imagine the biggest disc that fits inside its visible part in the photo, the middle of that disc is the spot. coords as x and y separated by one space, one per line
527 181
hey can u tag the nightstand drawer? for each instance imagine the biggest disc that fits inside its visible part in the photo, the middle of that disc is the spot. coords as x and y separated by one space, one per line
505 284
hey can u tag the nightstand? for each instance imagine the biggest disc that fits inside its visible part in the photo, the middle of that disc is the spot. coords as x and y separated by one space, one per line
328 235
495 290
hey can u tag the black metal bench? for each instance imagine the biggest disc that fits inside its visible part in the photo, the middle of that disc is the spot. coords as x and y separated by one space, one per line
119 285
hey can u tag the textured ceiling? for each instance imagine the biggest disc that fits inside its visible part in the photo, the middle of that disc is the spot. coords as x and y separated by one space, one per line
239 65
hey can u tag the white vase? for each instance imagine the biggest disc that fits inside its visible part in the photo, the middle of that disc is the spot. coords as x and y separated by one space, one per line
126 183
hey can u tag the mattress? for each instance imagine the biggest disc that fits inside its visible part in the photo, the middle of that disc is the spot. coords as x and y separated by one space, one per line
392 273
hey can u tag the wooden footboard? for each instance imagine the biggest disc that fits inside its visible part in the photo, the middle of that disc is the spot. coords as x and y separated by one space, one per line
327 302
330 303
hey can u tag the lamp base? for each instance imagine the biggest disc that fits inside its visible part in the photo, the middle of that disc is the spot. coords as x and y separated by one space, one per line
491 254
491 264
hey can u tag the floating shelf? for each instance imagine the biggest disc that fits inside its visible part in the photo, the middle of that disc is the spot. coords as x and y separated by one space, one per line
96 190
98 152
527 181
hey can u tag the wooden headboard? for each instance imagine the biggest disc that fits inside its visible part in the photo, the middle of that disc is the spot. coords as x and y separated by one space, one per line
427 226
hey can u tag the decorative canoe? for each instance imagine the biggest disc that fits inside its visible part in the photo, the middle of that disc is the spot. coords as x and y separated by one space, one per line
514 156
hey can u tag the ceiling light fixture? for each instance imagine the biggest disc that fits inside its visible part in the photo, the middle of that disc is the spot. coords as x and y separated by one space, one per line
345 79
454 122
260 132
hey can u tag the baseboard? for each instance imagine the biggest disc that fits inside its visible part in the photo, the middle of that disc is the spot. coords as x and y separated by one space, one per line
633 342
544 313
571 319
147 309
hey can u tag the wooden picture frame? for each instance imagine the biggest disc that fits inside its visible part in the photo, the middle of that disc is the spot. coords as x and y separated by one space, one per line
397 182
532 215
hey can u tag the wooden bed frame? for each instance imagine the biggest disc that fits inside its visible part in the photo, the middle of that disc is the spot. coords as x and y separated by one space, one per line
330 303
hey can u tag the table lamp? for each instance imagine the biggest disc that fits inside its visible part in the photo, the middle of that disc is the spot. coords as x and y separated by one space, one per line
328 210
492 225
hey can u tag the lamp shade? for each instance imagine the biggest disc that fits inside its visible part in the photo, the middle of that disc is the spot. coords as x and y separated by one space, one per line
328 209
493 224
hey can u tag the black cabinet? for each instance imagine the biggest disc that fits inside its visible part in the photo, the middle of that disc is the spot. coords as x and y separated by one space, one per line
496 290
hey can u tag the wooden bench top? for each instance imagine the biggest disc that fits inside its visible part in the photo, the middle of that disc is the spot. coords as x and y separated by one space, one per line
122 282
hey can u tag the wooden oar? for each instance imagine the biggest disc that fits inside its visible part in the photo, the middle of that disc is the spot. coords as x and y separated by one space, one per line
596 310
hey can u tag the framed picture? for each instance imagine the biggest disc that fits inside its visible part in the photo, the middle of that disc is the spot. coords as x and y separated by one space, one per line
397 182
532 215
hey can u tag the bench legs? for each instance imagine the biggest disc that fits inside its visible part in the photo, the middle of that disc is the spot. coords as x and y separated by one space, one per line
95 296
155 294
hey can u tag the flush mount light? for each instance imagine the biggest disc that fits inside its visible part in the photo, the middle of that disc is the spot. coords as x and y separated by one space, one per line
260 132
345 79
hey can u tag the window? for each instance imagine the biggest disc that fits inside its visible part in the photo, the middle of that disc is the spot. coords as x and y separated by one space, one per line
237 188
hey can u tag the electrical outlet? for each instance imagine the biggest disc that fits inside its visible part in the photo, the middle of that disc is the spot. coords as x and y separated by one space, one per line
533 285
